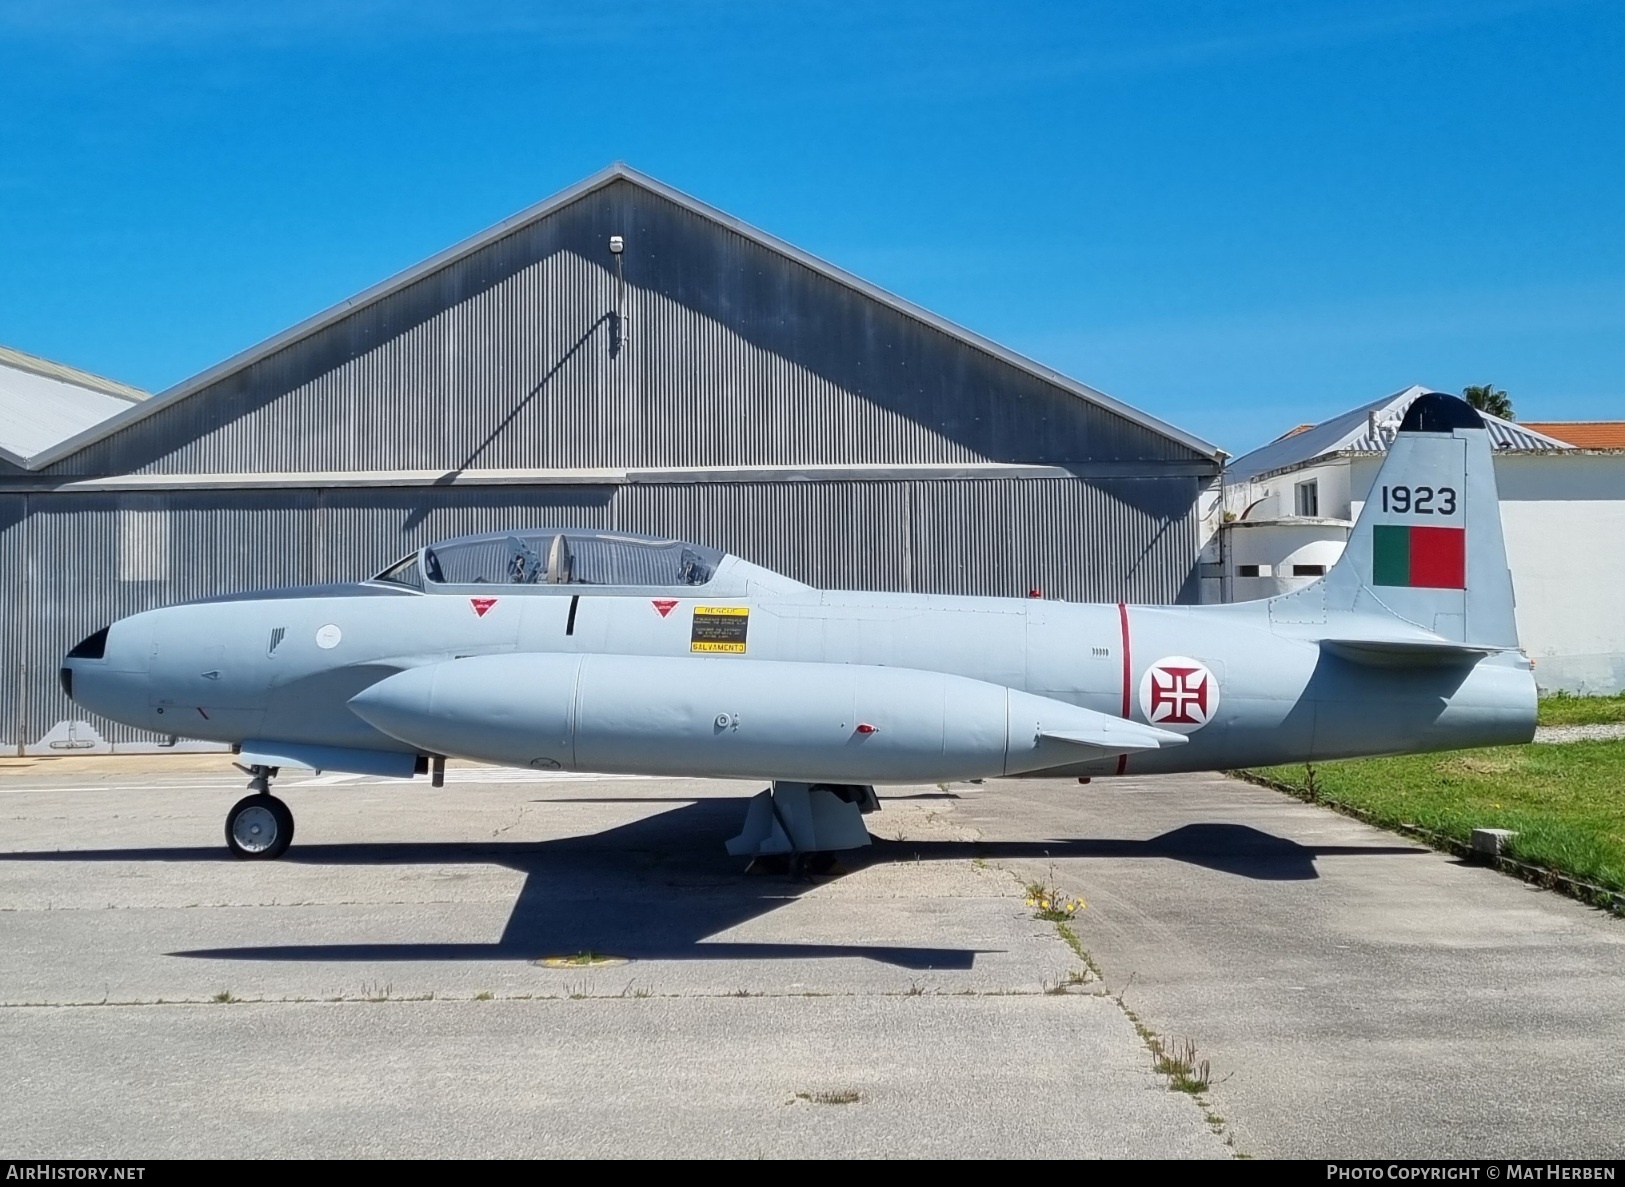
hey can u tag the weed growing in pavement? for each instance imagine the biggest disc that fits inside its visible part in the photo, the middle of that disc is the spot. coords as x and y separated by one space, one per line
1069 982
1177 1060
1049 903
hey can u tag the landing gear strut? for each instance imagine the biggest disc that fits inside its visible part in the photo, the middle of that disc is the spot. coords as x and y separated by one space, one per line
805 823
259 826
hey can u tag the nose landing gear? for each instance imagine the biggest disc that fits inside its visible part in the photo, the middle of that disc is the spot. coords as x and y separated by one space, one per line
259 826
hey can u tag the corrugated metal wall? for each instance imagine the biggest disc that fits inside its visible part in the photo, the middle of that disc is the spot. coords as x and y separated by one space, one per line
731 353
829 534
93 558
734 354
15 624
359 532
1070 538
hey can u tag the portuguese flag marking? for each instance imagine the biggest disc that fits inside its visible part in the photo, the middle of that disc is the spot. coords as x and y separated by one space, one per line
1432 558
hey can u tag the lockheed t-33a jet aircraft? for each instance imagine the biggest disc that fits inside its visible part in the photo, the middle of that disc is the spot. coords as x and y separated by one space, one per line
597 651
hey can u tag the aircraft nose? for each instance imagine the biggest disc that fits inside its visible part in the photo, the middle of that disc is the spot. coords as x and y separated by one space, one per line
92 646
106 672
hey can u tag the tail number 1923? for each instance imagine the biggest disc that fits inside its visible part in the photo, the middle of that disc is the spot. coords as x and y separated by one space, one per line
1419 500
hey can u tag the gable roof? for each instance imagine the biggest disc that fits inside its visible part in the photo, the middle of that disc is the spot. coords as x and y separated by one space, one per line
1583 434
43 404
1368 429
619 171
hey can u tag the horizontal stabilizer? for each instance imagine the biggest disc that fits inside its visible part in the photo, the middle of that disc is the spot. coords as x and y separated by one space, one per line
1116 736
1408 653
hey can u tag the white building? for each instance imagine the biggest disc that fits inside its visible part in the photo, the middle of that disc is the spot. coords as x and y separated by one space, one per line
1289 506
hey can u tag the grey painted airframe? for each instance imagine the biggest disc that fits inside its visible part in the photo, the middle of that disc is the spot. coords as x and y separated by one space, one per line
592 651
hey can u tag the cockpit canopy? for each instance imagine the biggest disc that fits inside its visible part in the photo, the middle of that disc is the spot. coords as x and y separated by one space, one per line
559 557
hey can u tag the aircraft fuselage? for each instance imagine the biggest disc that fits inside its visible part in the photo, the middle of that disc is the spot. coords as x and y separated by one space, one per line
1260 691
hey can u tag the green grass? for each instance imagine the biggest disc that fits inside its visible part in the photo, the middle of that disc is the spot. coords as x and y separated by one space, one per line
1563 709
1565 802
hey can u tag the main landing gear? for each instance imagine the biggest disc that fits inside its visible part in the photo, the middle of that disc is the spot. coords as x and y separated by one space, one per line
805 823
259 826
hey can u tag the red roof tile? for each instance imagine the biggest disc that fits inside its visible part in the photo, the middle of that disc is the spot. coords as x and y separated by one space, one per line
1586 434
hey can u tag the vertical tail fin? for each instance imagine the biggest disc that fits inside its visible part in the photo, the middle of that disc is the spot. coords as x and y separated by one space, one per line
1427 546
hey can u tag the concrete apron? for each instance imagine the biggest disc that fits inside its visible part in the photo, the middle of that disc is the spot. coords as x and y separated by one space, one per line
378 990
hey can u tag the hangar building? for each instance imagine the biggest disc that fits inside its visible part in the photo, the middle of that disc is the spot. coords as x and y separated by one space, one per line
708 382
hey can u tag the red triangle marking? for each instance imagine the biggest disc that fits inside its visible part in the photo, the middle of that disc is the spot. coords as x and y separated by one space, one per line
664 605
481 605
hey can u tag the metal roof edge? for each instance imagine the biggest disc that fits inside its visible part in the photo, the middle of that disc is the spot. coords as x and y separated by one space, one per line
617 171
21 360
1319 458
1335 455
1356 440
919 313
1314 521
595 476
325 318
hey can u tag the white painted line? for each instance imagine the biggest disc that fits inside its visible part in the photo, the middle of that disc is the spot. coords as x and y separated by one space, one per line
125 788
461 776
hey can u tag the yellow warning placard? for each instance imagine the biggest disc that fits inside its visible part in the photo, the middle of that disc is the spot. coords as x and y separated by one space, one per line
719 628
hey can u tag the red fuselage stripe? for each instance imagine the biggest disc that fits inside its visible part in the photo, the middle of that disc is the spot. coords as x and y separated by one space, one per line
1122 617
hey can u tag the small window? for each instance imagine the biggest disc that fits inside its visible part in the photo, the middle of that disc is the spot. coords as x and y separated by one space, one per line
1247 571
403 573
1308 498
1309 570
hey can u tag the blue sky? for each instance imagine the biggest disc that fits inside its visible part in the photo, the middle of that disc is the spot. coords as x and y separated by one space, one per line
1238 216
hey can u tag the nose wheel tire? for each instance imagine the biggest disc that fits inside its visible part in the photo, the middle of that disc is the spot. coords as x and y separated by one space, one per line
259 827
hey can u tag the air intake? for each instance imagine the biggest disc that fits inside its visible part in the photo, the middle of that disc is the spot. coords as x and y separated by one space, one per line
91 646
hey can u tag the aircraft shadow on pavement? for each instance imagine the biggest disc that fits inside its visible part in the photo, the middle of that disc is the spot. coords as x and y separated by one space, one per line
660 887
1228 848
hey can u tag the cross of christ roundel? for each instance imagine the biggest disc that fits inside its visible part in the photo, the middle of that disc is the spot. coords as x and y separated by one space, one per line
1179 694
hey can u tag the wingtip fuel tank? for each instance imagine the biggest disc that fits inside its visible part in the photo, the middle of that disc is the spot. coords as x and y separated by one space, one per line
718 718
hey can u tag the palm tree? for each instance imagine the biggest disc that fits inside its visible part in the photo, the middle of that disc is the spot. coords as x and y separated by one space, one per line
1486 397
